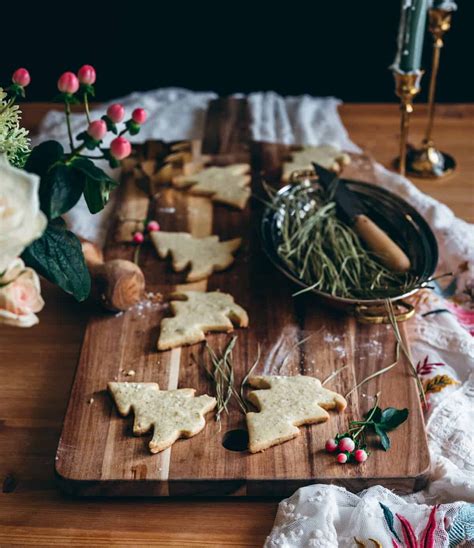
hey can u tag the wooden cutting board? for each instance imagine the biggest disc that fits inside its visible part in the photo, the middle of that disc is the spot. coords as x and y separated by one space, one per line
97 454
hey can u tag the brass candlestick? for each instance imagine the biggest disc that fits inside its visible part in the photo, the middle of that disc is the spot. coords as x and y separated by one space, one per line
427 161
407 85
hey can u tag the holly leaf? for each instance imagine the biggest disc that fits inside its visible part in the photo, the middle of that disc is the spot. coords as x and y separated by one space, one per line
384 439
392 418
58 256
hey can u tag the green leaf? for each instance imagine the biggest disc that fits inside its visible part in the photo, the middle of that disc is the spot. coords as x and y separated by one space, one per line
384 439
43 157
376 416
98 184
57 255
60 190
391 418
88 89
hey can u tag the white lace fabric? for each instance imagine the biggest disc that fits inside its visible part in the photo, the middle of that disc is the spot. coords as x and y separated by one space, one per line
318 515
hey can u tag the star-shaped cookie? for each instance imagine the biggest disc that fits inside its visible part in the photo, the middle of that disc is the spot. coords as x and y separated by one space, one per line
204 255
195 314
228 185
325 155
286 403
172 414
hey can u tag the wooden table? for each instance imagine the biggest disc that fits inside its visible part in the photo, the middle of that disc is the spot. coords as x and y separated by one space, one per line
37 367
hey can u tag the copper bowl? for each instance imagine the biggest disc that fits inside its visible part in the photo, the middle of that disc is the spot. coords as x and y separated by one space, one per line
396 217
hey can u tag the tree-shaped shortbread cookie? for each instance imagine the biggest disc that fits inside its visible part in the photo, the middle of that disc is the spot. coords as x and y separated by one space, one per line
284 404
228 185
204 255
196 313
325 155
172 414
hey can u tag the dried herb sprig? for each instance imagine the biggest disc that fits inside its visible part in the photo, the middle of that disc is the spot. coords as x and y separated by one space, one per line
324 252
222 375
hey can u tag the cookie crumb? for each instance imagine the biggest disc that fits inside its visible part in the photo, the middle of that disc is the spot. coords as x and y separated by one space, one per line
130 373
90 401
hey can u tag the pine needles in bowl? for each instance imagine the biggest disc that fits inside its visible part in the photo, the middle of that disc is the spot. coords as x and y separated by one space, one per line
326 253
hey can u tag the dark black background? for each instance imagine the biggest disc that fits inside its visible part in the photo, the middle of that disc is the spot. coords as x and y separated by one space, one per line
325 47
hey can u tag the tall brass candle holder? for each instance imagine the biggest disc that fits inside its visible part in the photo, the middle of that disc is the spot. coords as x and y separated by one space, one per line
407 86
427 161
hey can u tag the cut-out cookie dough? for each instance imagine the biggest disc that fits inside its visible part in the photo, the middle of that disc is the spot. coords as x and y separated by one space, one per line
325 155
204 255
196 313
228 185
284 404
172 414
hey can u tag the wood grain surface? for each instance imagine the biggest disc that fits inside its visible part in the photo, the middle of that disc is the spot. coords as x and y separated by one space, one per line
37 368
98 456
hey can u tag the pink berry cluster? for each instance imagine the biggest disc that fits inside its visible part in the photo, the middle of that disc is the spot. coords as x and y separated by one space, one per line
347 449
120 148
149 226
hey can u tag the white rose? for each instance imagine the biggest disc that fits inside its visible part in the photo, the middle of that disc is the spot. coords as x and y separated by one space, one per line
21 221
20 295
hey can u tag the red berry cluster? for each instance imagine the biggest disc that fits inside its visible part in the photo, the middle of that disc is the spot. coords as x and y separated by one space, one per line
150 226
347 449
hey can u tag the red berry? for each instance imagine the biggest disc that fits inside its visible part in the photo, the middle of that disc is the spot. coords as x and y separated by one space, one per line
139 116
331 445
116 112
86 74
341 458
346 444
138 237
120 148
360 455
68 83
21 77
153 226
97 129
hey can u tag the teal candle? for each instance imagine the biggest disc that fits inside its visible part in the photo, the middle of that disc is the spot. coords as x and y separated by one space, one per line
447 5
411 35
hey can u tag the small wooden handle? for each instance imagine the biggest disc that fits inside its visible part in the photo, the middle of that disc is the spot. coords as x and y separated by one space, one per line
118 284
389 253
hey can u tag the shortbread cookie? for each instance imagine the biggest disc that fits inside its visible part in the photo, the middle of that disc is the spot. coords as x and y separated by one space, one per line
172 414
196 313
325 155
287 402
228 185
204 255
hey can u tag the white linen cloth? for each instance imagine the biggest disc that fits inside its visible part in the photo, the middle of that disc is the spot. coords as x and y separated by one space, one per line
179 114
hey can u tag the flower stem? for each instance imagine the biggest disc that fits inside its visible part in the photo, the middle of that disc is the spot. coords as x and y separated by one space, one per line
369 418
136 255
86 108
68 123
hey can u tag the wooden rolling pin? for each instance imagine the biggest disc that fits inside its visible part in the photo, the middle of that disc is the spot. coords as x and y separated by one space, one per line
118 284
390 254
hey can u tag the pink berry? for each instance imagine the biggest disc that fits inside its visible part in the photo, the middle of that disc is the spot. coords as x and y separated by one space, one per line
360 455
68 83
97 129
139 116
86 74
341 458
116 112
346 444
120 148
138 237
21 77
153 226
331 445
